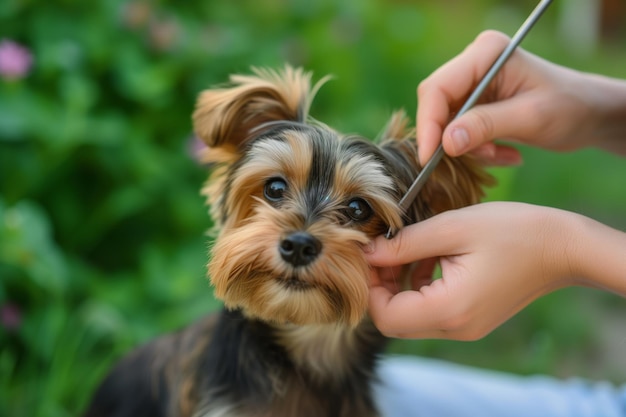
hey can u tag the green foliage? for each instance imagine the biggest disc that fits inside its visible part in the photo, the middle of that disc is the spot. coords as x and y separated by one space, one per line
102 242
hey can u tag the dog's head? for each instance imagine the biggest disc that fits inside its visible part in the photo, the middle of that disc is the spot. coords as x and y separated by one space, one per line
294 200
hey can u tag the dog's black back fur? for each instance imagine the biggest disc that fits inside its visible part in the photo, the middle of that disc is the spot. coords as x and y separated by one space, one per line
234 365
132 388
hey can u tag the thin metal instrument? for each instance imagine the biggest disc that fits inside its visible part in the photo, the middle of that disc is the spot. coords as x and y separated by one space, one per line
425 173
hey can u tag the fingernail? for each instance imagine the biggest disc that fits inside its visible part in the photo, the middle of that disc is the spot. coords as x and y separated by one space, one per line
460 140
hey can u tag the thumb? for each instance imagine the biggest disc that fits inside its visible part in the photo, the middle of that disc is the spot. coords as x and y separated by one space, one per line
486 122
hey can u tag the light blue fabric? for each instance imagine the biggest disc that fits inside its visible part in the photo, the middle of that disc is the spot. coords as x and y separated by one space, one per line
412 386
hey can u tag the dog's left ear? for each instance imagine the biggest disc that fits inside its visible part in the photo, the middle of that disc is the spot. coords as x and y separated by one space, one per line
227 117
455 183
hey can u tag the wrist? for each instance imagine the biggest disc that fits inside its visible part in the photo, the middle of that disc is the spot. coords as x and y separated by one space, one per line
596 255
562 248
608 102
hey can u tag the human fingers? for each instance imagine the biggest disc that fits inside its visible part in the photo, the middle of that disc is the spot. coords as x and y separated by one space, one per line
492 154
467 303
430 238
432 312
401 313
423 273
442 92
387 277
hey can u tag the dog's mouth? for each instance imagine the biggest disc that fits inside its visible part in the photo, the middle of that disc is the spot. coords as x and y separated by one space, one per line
294 283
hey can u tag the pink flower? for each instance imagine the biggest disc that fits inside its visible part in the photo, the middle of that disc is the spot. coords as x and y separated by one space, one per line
15 60
164 34
136 14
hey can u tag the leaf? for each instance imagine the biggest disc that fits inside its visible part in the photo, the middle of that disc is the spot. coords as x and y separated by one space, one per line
26 243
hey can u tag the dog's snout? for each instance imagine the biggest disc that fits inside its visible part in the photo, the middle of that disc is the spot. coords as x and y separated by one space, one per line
300 248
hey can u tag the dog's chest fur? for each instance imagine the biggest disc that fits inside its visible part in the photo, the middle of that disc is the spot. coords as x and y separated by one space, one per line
258 369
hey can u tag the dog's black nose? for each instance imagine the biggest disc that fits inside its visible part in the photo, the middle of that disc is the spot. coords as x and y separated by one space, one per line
300 248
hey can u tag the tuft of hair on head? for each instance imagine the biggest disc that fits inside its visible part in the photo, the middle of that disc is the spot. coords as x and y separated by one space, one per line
231 115
398 128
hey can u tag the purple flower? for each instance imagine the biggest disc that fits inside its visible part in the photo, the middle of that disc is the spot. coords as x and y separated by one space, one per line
197 149
10 316
15 60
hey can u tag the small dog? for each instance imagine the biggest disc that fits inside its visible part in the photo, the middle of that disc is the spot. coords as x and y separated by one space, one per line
294 202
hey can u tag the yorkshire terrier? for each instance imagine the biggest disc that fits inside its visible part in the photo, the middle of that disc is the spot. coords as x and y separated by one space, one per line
294 202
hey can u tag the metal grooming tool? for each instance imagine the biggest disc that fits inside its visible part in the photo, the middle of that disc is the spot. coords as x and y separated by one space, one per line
425 173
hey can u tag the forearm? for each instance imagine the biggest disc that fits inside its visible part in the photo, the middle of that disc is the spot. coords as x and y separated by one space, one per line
600 255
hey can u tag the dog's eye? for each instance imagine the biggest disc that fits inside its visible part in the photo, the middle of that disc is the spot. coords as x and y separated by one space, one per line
275 189
358 210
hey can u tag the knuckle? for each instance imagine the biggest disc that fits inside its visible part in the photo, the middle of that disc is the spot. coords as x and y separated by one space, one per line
465 330
385 327
389 334
463 325
492 38
472 335
455 324
423 87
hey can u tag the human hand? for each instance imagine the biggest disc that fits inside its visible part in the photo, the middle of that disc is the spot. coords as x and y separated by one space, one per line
530 101
495 259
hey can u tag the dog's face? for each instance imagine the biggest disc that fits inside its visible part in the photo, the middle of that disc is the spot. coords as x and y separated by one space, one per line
295 201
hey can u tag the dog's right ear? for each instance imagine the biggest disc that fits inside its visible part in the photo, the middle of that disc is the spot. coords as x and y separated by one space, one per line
229 117
455 182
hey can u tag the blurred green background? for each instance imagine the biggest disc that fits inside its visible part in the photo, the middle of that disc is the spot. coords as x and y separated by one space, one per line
102 242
